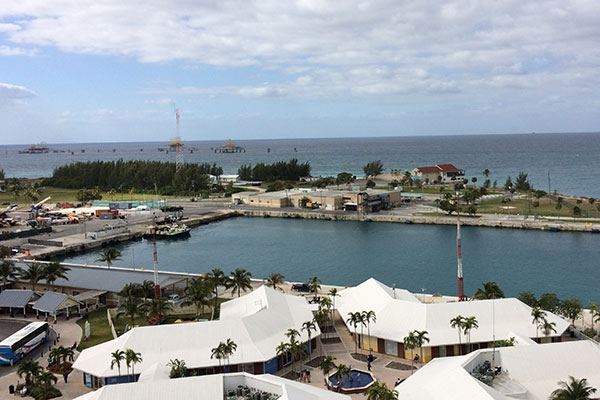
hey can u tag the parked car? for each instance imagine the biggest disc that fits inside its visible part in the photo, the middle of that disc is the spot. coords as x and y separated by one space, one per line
173 298
301 287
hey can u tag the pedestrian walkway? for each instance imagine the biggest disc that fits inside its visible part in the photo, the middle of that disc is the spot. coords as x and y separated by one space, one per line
67 334
342 350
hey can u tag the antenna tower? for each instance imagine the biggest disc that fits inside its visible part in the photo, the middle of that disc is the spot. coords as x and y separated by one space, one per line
461 292
156 285
178 145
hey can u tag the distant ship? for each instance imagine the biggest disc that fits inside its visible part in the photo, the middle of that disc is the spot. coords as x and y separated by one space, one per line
33 149
169 231
230 147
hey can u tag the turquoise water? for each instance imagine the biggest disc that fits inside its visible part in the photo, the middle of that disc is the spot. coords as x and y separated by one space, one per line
414 257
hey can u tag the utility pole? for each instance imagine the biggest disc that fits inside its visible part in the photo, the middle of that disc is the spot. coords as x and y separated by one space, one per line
461 293
156 285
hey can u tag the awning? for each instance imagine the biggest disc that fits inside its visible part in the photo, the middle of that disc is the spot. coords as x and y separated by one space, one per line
15 298
52 302
90 294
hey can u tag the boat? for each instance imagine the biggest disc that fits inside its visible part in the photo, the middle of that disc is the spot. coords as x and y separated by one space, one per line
36 149
168 231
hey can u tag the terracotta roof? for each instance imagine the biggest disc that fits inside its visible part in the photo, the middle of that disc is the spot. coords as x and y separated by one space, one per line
429 170
448 168
439 168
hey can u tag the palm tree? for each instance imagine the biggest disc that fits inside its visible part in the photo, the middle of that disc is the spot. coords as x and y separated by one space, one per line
574 389
341 371
548 327
117 357
34 273
45 378
459 323
109 255
132 358
55 354
8 271
333 292
538 316
327 365
218 353
410 343
314 284
282 349
490 290
319 318
146 289
229 347
130 307
133 290
31 370
54 271
422 339
292 333
353 318
368 317
593 309
198 293
309 326
469 324
156 308
216 278
240 280
325 306
274 279
361 320
380 391
66 353
296 350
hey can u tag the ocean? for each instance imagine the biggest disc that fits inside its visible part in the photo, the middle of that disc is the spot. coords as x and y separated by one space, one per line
570 160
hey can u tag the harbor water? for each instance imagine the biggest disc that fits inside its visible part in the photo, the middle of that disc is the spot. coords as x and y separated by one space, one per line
420 258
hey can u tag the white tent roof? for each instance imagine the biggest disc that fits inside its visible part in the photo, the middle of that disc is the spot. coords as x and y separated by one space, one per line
528 372
396 317
211 387
256 331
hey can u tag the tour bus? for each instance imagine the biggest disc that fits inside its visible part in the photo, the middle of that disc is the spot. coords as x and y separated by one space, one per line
20 343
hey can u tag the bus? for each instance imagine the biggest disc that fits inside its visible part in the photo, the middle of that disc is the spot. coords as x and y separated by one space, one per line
20 343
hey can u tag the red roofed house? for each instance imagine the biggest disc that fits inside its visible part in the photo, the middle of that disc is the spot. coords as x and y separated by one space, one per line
444 173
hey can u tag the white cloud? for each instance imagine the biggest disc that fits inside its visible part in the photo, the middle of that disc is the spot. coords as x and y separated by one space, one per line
13 94
327 48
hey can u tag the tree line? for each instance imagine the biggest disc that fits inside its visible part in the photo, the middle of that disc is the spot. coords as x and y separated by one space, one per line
138 175
282 170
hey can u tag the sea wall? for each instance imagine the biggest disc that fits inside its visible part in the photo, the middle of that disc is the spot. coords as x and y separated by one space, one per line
513 222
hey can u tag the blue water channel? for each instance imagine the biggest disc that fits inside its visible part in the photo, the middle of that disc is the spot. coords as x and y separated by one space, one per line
415 257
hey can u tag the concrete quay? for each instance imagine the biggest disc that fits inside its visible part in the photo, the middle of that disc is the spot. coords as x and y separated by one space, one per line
56 244
401 216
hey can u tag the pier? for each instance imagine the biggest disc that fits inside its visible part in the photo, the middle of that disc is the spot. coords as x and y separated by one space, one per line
44 248
484 220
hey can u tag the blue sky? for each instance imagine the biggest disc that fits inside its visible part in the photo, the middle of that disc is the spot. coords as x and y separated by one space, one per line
115 70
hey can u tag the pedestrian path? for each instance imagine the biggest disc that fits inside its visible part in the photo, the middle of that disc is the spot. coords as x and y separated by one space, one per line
67 334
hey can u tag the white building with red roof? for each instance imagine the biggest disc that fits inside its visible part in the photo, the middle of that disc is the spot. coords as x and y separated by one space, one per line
444 173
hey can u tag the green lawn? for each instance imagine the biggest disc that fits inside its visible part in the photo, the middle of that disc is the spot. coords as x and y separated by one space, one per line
100 330
547 207
69 195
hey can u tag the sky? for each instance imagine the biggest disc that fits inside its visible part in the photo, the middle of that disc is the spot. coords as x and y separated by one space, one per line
116 70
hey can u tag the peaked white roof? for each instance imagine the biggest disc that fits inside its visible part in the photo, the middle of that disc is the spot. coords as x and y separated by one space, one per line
528 372
256 331
211 387
396 317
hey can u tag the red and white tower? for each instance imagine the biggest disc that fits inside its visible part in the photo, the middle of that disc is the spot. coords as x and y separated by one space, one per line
461 292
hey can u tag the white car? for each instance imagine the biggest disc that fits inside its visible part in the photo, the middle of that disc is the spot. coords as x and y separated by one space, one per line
173 298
